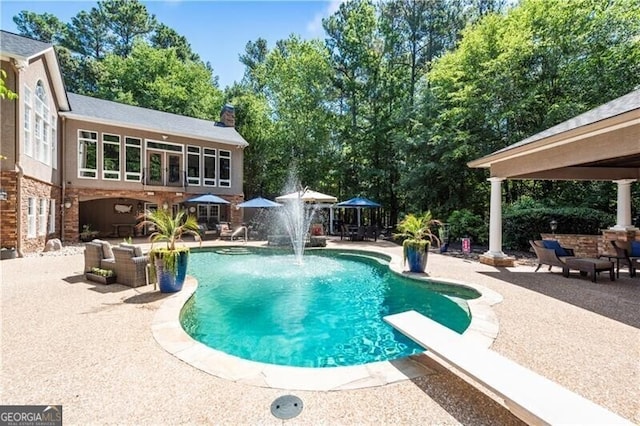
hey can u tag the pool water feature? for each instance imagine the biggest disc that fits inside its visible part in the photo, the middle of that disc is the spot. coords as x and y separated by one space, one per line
260 305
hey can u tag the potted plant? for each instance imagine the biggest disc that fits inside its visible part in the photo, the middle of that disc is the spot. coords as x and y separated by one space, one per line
87 234
104 276
417 234
170 261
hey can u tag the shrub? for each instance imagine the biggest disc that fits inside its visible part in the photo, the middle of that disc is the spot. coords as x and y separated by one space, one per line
463 223
520 226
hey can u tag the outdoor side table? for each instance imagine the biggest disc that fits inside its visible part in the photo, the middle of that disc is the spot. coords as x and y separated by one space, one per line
588 265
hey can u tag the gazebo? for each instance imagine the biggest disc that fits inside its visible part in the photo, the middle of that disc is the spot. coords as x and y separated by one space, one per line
601 144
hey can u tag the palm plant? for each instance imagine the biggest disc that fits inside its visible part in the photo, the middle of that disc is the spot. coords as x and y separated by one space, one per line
417 232
170 229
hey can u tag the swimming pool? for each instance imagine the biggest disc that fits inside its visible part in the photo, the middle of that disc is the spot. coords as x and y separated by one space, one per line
259 305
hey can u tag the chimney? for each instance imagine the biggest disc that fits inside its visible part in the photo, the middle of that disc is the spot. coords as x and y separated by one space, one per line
228 116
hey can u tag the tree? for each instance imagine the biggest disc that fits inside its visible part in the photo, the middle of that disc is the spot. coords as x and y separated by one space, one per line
157 79
165 37
5 92
88 35
44 27
128 20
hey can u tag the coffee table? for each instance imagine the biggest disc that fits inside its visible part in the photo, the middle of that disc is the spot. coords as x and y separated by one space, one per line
587 265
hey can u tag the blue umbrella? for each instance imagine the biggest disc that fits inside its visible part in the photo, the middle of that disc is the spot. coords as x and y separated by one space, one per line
207 198
259 202
358 202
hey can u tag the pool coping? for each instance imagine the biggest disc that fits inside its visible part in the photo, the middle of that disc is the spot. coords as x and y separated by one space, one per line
170 335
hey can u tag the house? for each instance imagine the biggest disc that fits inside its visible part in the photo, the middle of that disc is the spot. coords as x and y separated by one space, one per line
74 161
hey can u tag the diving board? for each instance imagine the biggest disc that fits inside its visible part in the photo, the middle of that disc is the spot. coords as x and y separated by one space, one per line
528 395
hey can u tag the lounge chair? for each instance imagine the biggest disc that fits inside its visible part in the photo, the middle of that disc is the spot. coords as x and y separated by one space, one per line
628 255
551 253
225 231
98 254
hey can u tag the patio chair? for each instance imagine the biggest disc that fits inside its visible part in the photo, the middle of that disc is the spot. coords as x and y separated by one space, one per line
98 254
225 231
551 253
628 255
130 266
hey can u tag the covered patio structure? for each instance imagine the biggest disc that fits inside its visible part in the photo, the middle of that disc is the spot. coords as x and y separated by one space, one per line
601 144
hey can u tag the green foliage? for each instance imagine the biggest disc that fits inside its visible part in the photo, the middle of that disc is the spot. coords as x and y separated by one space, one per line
169 229
102 272
5 93
520 226
417 232
464 223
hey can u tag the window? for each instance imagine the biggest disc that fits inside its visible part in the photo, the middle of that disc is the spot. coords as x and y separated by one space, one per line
42 216
225 168
132 161
209 167
31 218
193 165
28 142
54 142
52 216
87 154
110 157
42 128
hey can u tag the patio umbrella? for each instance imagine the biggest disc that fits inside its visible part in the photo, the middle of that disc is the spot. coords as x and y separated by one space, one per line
207 199
308 196
358 203
259 203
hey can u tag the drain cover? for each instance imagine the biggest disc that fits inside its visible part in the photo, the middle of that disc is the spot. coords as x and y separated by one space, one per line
286 407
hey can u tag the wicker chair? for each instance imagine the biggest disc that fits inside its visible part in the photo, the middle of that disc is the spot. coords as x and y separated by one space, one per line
624 256
549 256
225 231
130 269
98 254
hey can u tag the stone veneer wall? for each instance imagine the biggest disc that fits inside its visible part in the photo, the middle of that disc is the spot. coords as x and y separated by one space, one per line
593 245
31 188
9 210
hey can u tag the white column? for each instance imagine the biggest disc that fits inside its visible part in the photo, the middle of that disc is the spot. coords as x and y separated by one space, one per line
495 219
331 220
623 219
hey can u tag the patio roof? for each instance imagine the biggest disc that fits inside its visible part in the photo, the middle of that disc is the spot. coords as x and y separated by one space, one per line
601 144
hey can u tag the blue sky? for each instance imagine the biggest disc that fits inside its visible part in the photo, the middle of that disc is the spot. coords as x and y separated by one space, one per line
217 30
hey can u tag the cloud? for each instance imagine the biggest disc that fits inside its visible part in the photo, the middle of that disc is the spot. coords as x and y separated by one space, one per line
314 27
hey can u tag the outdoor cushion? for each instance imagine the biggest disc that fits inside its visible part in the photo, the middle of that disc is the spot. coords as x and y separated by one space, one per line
553 244
107 253
137 250
635 249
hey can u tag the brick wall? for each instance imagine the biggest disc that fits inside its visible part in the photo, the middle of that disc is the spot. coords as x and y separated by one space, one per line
31 188
8 210
593 245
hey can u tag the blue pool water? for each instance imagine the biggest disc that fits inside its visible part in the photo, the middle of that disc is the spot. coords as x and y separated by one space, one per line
259 305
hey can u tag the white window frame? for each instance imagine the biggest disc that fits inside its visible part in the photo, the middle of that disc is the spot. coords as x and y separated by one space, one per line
209 153
54 141
28 119
52 216
42 216
224 155
197 152
42 150
108 174
133 176
31 217
85 172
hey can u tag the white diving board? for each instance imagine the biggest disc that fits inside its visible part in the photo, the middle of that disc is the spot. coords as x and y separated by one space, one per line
528 395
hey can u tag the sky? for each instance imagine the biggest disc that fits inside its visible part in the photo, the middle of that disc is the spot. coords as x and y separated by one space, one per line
218 31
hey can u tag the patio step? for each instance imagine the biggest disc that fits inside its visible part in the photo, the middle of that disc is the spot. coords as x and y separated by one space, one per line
234 251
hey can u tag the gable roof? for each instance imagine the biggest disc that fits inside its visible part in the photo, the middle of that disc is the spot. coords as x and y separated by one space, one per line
22 50
14 45
113 113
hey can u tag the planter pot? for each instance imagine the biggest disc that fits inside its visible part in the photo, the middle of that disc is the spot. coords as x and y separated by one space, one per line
168 281
100 279
417 259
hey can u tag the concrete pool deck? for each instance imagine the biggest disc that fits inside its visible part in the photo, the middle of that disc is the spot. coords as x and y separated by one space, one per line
91 348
